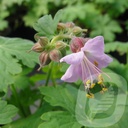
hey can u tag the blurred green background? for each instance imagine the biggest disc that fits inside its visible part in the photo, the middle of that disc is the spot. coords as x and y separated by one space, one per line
105 17
100 17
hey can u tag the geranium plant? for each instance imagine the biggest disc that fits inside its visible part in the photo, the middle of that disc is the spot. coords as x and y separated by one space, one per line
70 85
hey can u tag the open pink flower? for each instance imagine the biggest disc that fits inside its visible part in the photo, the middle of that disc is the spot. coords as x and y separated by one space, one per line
87 63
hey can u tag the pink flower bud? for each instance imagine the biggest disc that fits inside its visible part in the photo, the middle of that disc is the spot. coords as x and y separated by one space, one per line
76 44
61 26
70 25
44 59
43 41
55 55
60 45
77 30
37 47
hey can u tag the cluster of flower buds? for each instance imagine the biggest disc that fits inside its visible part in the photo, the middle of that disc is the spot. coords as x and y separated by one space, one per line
54 49
48 51
86 60
70 28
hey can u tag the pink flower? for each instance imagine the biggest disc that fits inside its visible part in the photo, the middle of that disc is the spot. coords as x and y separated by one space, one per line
87 63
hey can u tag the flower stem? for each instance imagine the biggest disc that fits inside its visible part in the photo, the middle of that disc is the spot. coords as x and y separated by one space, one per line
49 74
21 109
60 37
47 79
53 81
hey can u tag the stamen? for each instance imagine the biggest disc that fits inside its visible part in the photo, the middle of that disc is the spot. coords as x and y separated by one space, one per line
87 65
88 70
97 69
90 95
88 82
92 85
96 63
104 89
100 79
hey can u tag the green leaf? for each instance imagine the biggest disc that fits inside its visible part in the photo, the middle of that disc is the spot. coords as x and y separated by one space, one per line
3 24
7 112
107 27
13 51
121 47
46 25
59 119
59 96
119 68
79 10
21 81
37 8
105 1
30 122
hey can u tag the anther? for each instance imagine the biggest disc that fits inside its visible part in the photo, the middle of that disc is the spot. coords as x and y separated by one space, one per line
104 89
100 79
90 95
92 85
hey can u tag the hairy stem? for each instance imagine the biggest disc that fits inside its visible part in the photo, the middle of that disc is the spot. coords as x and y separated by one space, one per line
60 37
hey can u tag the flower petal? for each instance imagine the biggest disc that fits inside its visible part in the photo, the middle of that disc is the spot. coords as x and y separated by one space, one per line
72 74
104 61
94 46
100 61
74 58
89 71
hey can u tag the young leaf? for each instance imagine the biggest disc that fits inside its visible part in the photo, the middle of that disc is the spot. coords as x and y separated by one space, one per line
46 25
59 119
6 112
13 50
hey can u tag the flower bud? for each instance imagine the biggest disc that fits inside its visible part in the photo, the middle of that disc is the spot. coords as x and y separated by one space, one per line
70 25
76 44
55 55
77 30
37 47
44 59
60 45
43 41
36 36
61 26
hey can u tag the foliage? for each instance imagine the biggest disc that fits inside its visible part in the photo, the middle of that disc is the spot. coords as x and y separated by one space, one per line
39 99
46 26
90 13
6 112
14 50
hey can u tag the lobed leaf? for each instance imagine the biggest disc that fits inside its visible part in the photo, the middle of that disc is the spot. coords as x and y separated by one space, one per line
13 51
7 112
59 96
46 25
121 47
59 119
107 28
30 122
